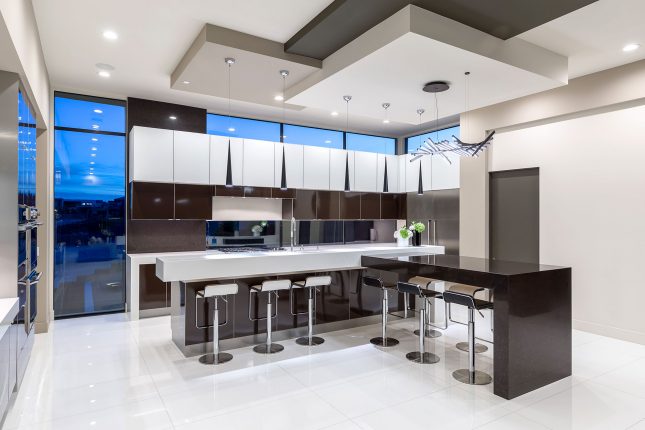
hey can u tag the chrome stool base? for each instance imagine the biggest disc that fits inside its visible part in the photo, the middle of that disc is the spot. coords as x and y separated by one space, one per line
431 333
384 342
479 348
305 341
475 378
425 358
222 357
268 349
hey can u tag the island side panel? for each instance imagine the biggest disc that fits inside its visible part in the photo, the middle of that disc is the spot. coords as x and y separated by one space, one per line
532 332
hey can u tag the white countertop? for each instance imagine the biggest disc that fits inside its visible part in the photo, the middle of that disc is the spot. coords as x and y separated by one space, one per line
8 310
192 266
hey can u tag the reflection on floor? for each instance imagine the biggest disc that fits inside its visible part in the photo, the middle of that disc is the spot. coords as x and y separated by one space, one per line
104 372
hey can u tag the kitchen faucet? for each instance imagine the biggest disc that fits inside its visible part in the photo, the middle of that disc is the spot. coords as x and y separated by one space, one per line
293 231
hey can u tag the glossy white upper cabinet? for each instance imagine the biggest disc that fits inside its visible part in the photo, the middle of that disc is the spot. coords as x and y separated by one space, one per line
151 155
218 159
365 171
338 161
412 172
292 162
315 168
445 176
392 173
191 156
259 165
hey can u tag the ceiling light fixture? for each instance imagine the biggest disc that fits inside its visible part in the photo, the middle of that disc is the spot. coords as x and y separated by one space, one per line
283 172
172 117
229 170
104 74
386 120
347 184
94 148
94 139
110 35
278 98
99 111
334 113
631 47
455 146
95 126
185 82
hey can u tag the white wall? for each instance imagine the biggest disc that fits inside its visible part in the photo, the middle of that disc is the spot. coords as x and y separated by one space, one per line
592 210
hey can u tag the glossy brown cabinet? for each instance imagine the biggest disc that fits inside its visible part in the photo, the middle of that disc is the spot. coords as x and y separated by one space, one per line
304 205
193 201
153 292
350 205
328 204
152 200
370 206
393 206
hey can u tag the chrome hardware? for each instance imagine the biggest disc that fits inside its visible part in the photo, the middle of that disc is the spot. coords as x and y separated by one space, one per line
207 326
293 232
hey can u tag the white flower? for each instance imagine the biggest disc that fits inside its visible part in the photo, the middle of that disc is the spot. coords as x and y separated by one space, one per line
397 235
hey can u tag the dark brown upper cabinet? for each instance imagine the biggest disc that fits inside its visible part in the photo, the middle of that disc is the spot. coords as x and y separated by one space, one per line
257 192
350 205
328 204
370 206
304 205
393 206
193 201
223 191
152 200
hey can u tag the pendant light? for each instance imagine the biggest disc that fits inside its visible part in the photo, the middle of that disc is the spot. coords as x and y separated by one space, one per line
386 119
283 175
420 112
229 171
385 180
347 184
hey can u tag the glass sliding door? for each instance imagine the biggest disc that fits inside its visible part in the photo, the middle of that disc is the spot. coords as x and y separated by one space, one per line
89 204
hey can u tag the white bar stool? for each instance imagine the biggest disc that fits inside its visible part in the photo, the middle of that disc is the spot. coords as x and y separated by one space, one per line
272 288
215 291
311 283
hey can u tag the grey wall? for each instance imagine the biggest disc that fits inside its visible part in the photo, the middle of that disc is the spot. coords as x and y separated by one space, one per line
8 184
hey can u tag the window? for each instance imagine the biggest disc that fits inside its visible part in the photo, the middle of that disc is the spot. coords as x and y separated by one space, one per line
313 136
364 142
414 142
223 125
89 200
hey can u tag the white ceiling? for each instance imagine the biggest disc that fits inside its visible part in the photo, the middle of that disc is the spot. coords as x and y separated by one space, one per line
593 36
155 35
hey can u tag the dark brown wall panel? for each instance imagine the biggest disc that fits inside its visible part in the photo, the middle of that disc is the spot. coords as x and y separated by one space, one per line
150 113
257 192
304 206
166 236
193 201
152 200
370 206
152 290
393 206
350 205
328 204
222 191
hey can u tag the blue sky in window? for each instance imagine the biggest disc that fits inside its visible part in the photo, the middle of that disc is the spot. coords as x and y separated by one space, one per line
313 136
363 142
242 127
446 134
88 115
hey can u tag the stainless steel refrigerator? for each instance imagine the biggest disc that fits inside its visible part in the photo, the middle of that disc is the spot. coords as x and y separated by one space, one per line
439 211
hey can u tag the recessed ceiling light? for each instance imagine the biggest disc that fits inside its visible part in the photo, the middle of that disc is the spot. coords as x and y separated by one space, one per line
185 82
278 98
92 162
386 121
334 113
94 148
95 126
99 111
93 155
94 139
231 129
631 47
91 173
110 35
172 117
104 74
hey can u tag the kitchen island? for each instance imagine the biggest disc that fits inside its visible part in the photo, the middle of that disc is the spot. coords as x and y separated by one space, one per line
532 312
345 303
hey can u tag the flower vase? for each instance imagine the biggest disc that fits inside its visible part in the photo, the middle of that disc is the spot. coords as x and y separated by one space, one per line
416 238
402 242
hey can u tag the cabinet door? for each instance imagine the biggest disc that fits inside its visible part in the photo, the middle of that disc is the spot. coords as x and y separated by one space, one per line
365 171
392 173
315 168
151 155
259 164
292 162
338 159
192 154
412 173
445 176
218 157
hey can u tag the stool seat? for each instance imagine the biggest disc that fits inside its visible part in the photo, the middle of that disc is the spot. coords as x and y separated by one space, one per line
423 281
470 290
313 281
310 283
218 290
273 285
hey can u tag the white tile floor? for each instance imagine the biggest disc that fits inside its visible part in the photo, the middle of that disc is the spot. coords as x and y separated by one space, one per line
107 373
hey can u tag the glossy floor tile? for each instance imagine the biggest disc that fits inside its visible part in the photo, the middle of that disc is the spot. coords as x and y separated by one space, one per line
106 372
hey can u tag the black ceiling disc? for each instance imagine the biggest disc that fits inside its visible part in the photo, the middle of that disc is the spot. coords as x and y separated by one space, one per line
436 87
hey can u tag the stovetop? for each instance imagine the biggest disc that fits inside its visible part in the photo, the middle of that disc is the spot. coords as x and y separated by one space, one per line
232 249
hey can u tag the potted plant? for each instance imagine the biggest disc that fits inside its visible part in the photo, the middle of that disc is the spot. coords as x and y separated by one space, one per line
416 228
402 236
